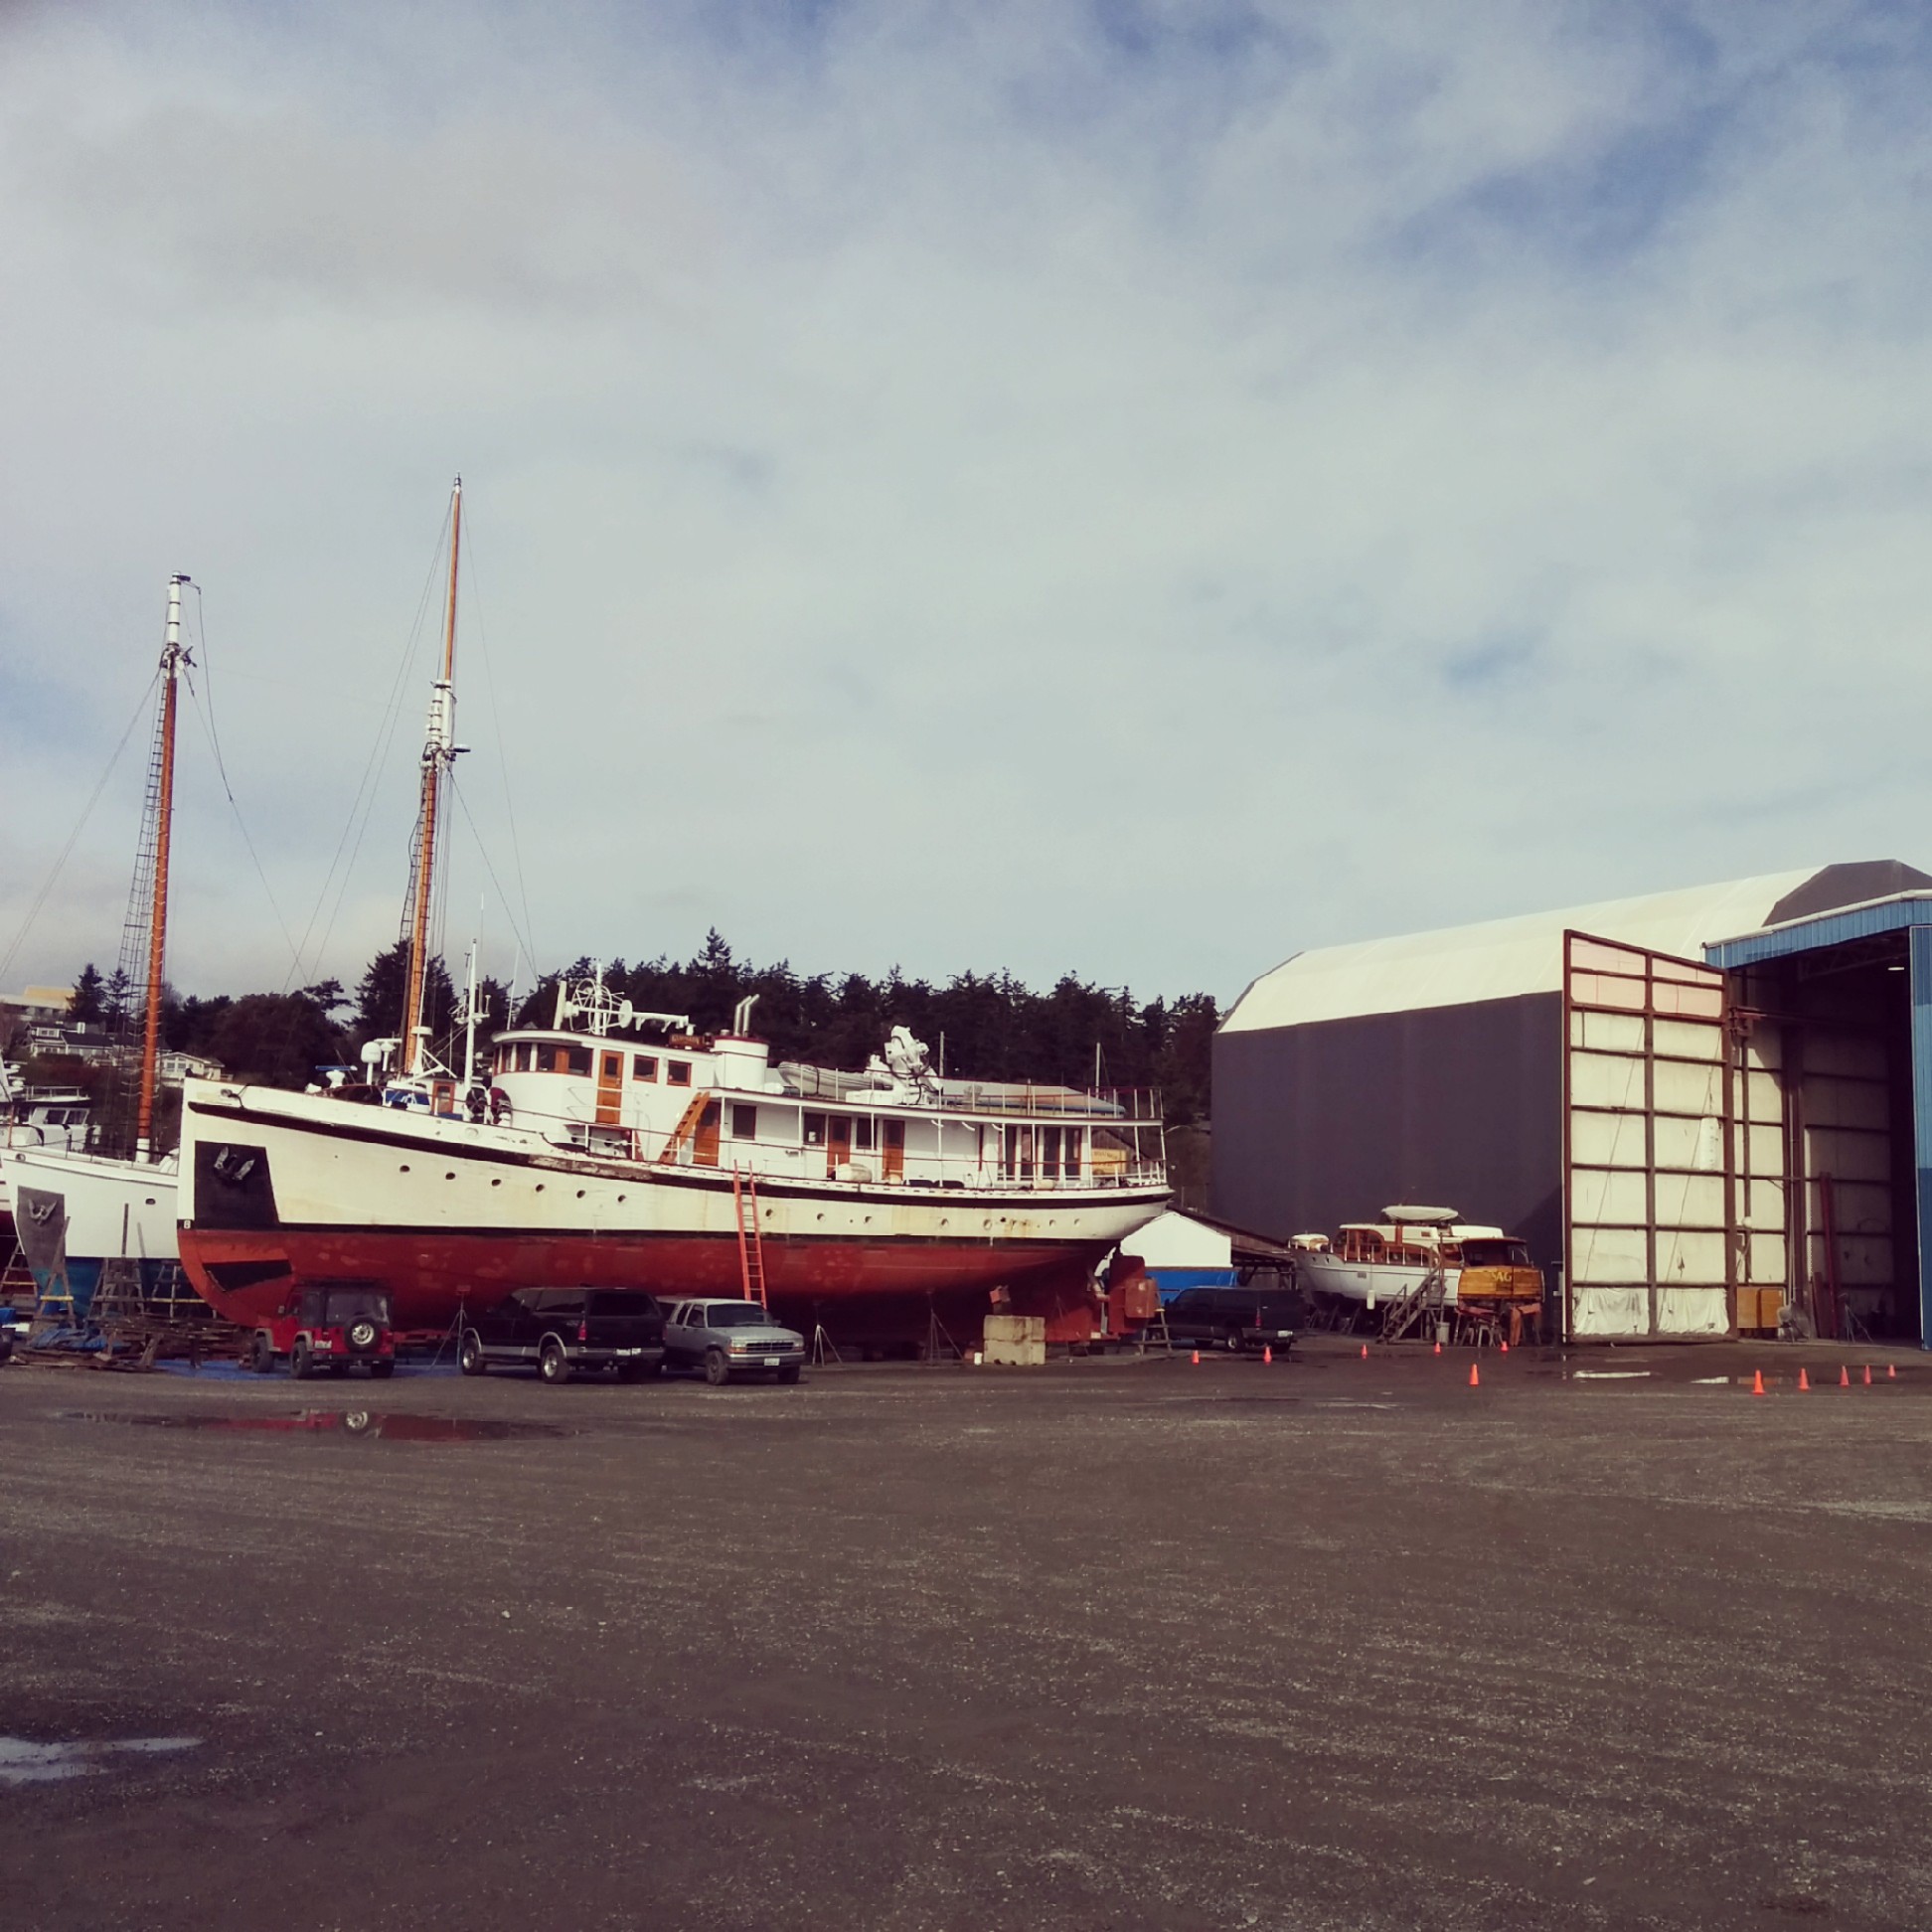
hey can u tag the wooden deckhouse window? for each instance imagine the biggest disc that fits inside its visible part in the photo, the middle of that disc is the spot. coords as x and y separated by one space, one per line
573 1059
745 1123
677 1073
1049 1143
814 1130
643 1066
861 1133
1070 1154
525 1054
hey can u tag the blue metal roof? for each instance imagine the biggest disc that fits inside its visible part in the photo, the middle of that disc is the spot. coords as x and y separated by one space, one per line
1893 914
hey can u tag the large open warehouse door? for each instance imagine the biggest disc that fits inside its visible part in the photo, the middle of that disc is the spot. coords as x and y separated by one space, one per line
1673 1190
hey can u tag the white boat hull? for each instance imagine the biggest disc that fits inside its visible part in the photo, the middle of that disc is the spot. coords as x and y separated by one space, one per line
73 1212
451 1215
1371 1284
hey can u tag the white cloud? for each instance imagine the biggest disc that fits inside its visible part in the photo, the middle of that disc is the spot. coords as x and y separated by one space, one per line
975 489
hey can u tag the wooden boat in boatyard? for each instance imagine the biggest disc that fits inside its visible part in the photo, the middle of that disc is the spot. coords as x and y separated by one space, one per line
1465 1265
617 1149
76 1212
621 1149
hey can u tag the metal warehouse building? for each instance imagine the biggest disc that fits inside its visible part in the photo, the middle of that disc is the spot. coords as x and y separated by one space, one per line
1699 1105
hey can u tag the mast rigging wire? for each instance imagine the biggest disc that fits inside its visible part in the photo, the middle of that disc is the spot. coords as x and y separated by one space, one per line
503 756
87 812
522 933
205 711
365 800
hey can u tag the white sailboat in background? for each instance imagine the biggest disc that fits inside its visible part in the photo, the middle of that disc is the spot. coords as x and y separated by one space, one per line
75 1213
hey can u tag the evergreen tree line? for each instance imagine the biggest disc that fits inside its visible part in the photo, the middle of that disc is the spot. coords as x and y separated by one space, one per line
987 1027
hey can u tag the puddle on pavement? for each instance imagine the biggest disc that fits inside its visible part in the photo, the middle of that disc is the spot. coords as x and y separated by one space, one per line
22 1761
335 1423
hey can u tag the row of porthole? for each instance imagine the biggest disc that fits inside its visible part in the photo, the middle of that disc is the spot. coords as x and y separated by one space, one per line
495 1182
944 1222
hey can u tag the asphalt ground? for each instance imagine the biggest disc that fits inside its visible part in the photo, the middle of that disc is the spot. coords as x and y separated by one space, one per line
1332 1643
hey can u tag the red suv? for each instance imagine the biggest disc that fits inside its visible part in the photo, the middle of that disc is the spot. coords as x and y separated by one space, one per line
329 1326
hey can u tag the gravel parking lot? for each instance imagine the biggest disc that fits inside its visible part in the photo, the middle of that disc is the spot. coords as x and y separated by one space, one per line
1332 1643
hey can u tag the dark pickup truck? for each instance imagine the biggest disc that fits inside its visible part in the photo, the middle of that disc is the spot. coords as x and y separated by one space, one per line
1240 1320
558 1331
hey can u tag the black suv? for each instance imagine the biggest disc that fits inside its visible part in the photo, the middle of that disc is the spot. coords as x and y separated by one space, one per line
557 1331
1235 1319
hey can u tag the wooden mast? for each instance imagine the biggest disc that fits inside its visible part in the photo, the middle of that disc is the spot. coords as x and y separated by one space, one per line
438 750
171 656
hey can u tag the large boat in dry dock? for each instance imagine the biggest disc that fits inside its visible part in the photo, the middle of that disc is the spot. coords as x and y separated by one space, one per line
620 1149
617 1149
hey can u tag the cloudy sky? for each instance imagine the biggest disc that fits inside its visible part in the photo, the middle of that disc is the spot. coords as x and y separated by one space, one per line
1136 488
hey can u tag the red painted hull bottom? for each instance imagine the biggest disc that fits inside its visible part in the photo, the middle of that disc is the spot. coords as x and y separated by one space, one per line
864 1294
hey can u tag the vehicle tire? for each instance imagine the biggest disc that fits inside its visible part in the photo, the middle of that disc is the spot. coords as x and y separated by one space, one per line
789 1374
717 1370
361 1334
1231 1341
383 1371
554 1364
470 1357
301 1363
262 1355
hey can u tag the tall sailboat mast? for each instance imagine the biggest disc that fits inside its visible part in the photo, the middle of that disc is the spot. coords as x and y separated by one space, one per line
171 660
439 751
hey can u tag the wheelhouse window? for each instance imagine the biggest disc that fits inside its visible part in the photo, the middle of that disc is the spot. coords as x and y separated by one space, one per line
578 1062
745 1123
677 1073
643 1066
525 1055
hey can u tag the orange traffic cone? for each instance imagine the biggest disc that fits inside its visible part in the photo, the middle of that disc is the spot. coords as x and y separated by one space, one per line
1804 1380
1475 1380
1844 1376
1891 1371
1267 1351
1506 1348
1438 1347
1867 1375
1197 1357
1757 1383
1364 1352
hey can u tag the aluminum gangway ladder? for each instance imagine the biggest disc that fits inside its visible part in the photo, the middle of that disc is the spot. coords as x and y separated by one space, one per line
751 1271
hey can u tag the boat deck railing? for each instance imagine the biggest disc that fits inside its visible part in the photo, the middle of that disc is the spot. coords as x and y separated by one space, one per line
1026 1157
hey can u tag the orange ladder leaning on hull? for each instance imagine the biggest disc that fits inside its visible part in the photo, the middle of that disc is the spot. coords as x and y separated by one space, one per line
744 1199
